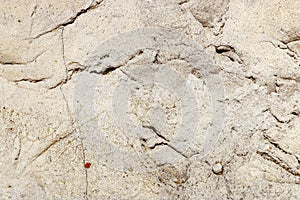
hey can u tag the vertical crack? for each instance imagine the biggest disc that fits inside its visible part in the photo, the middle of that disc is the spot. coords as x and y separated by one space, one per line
64 81
85 170
19 142
70 113
63 54
32 19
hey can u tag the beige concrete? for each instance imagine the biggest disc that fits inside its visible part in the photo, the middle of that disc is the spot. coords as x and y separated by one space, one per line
166 99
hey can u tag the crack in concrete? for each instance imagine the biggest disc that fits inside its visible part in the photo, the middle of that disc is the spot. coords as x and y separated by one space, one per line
297 79
85 170
66 78
72 19
176 150
110 68
32 19
12 63
292 39
167 143
276 117
154 130
30 80
183 2
55 141
63 53
276 145
158 144
80 67
284 46
278 161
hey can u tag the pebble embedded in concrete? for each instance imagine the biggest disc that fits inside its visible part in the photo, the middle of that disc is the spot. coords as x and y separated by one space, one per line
217 168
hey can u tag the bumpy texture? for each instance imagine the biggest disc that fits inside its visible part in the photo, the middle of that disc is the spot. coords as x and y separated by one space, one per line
166 99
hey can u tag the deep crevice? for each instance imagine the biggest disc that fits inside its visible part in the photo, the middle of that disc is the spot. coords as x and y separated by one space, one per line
279 162
156 132
276 145
158 144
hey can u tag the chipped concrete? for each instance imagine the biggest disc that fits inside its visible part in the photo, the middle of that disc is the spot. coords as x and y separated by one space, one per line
166 99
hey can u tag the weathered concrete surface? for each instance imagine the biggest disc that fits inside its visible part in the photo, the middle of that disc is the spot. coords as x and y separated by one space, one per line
167 99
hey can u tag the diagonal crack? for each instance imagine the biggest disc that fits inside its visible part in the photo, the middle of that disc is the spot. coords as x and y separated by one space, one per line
72 19
156 132
55 141
276 117
276 145
175 149
278 161
167 142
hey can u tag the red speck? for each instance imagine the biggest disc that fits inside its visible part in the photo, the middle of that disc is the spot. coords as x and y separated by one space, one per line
87 165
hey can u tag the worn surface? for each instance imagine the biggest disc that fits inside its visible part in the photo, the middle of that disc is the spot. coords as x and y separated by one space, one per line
166 99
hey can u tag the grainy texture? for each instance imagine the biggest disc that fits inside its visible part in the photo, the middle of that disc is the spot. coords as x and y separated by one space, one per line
166 99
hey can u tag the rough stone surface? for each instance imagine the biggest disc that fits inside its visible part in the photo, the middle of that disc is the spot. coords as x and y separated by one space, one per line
166 99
